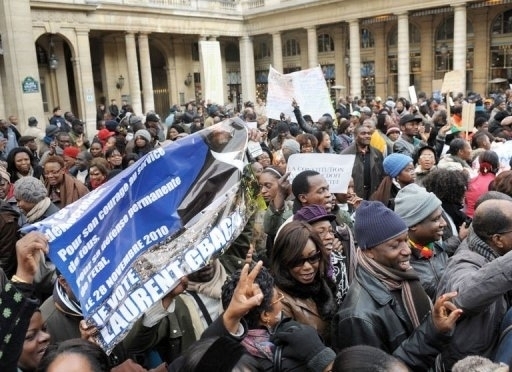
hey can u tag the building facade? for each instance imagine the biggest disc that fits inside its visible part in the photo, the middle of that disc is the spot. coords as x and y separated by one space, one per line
80 53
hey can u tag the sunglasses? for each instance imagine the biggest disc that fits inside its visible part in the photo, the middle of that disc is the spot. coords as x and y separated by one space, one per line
311 260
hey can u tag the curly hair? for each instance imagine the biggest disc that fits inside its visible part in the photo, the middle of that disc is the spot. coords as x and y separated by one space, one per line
266 283
448 185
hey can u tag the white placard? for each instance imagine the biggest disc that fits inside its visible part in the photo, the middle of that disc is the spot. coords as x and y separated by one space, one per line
337 169
211 74
412 94
307 87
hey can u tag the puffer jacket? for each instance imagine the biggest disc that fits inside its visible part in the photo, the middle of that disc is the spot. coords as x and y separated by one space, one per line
372 315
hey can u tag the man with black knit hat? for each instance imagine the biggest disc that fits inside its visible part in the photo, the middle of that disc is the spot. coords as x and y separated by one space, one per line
386 306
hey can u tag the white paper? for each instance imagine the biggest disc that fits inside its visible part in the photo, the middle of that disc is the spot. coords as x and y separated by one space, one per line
412 94
337 169
307 87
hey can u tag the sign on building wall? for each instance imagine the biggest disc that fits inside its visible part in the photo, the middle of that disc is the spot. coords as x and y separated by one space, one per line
30 85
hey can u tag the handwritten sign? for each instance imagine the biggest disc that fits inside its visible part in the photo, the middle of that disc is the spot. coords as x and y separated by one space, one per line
453 82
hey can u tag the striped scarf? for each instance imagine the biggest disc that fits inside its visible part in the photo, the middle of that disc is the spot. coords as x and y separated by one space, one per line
417 303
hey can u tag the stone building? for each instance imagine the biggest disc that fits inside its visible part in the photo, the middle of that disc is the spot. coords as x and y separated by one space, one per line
79 53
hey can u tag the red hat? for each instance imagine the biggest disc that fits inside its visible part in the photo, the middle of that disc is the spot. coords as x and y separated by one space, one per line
71 151
105 134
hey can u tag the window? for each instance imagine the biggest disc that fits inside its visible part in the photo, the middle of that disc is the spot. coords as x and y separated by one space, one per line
195 51
232 53
367 40
262 51
325 43
414 36
291 48
503 23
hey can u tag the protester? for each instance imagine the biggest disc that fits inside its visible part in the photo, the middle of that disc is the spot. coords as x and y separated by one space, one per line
422 213
19 164
298 264
479 272
425 160
399 172
488 167
386 306
367 171
63 189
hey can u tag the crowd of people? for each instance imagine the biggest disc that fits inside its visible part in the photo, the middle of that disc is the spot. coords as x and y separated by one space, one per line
406 270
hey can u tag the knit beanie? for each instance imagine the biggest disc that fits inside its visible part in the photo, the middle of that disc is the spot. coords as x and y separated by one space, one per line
313 213
292 145
376 224
395 163
413 204
144 134
30 189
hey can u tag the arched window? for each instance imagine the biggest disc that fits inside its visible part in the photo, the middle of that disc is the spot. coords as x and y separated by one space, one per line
325 43
232 53
291 48
445 29
367 40
262 51
503 23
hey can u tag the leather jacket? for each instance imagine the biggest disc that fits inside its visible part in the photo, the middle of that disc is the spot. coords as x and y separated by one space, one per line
372 315
430 270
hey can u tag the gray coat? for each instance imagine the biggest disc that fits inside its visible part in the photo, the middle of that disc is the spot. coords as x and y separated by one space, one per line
482 288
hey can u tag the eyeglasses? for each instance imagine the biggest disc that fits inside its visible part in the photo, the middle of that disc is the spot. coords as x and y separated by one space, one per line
325 233
280 298
311 260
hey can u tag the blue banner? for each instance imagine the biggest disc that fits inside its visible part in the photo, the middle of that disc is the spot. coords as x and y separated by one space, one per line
125 245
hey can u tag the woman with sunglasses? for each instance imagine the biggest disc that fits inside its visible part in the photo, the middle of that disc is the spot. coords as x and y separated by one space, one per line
298 263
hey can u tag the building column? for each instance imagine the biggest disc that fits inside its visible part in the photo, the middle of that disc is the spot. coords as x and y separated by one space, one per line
133 73
480 60
85 82
19 62
277 52
312 47
427 54
381 69
145 70
355 58
247 69
403 57
460 41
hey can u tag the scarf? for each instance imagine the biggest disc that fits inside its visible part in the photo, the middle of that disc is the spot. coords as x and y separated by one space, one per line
30 173
257 343
38 210
477 245
213 288
417 303
319 291
65 304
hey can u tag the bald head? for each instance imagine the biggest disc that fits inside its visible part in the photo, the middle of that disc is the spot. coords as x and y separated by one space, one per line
492 222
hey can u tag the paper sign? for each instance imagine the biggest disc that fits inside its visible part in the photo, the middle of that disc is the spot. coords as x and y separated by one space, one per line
307 87
337 169
453 82
412 94
468 116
